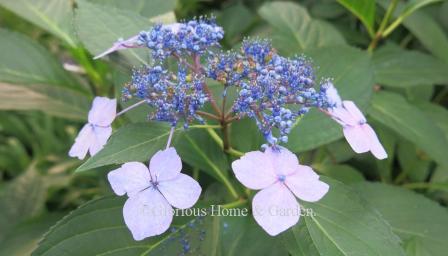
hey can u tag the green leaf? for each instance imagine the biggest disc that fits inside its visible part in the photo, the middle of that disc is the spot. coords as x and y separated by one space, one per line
24 238
413 5
23 61
340 172
132 142
298 241
352 75
364 10
100 26
98 222
396 67
437 114
52 100
21 199
295 31
425 28
55 16
393 111
36 81
94 225
341 224
235 19
420 222
413 162
145 8
198 149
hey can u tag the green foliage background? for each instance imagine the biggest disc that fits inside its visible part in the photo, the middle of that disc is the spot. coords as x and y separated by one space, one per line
390 57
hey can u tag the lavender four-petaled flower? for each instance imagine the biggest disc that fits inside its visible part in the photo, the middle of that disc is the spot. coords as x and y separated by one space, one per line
152 192
280 177
94 135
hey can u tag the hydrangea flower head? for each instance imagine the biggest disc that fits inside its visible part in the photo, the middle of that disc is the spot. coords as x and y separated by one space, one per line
273 90
172 96
192 37
94 135
153 192
281 178
359 134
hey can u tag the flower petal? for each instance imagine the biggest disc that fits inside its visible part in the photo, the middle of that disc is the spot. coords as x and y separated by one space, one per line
130 178
357 139
82 142
354 111
182 192
375 145
147 214
254 170
284 161
275 209
165 165
119 45
103 111
333 95
101 135
305 184
342 116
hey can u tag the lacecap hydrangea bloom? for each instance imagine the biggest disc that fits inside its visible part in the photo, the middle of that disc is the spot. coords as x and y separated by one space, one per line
272 90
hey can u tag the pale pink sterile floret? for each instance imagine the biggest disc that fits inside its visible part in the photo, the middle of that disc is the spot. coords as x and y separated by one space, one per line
281 178
94 135
358 133
153 192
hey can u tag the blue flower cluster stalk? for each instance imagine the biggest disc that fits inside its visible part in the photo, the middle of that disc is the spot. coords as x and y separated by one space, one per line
273 90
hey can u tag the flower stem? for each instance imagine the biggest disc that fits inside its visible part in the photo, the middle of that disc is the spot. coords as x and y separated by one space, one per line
130 107
208 115
218 140
382 31
170 137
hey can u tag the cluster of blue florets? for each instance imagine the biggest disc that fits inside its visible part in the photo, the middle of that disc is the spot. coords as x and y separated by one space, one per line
273 90
192 37
173 97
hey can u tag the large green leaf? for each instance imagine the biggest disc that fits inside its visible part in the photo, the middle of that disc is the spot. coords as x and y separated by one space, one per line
437 113
298 241
132 142
420 222
199 150
145 8
342 224
99 26
23 61
424 27
294 30
364 10
24 238
36 81
400 68
393 111
55 16
352 75
21 199
96 224
52 100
